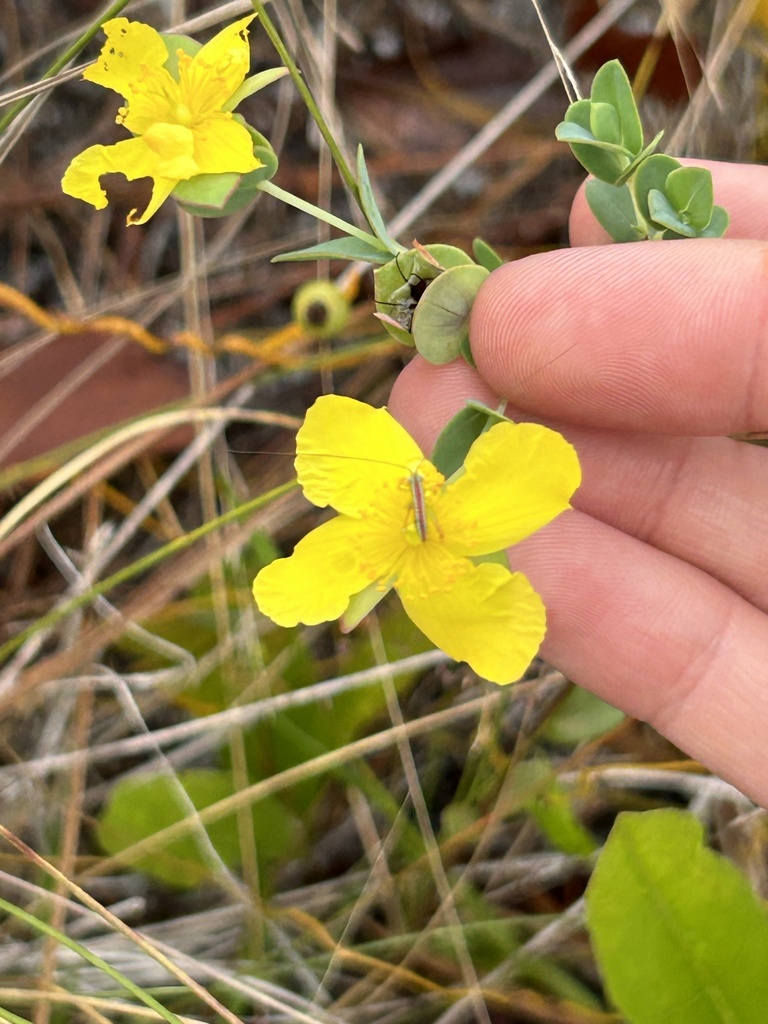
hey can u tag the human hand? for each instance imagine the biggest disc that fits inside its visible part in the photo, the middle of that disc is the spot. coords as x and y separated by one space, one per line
644 356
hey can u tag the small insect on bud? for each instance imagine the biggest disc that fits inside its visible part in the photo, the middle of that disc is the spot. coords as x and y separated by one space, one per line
320 308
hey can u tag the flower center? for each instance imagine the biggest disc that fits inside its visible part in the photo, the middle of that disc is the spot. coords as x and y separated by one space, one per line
183 115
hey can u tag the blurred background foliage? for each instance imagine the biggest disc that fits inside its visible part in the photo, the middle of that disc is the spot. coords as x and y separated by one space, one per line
349 826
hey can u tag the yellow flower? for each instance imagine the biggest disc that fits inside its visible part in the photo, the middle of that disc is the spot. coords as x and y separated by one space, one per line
181 127
402 524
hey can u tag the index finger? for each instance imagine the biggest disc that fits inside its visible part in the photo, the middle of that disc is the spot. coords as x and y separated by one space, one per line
667 338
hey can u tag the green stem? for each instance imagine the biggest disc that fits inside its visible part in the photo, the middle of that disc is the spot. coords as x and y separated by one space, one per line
61 62
140 566
314 211
308 98
136 991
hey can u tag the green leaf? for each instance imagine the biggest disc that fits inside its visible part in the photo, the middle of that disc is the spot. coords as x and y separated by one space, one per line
613 207
485 255
643 155
345 248
662 212
678 933
604 123
371 207
141 805
603 160
550 804
253 84
219 195
612 87
718 225
457 437
581 716
441 318
689 191
652 174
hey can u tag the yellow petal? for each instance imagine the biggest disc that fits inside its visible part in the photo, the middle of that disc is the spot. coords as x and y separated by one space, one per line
133 158
218 69
316 582
490 618
222 145
155 97
518 477
130 47
347 452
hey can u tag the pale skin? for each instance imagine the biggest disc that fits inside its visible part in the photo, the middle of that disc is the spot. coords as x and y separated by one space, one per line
645 356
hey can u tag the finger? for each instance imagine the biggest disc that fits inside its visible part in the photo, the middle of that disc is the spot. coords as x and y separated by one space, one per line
741 188
703 500
668 338
693 667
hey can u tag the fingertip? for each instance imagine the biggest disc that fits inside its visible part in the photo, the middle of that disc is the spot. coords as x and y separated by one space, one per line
740 188
424 397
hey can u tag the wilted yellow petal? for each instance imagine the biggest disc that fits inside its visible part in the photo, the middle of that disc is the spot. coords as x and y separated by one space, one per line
347 452
223 145
133 158
490 618
316 582
218 69
131 46
518 477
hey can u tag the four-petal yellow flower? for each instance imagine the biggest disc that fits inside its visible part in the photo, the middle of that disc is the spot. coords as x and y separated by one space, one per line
402 524
181 127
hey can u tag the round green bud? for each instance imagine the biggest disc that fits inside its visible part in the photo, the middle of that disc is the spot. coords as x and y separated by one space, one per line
320 308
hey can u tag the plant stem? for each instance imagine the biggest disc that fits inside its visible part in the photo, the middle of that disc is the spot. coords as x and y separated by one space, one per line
308 98
61 62
314 211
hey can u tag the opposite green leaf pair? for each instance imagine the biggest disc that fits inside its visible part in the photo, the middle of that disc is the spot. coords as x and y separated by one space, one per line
636 193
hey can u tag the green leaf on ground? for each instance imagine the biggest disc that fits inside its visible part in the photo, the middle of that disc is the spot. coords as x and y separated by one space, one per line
677 931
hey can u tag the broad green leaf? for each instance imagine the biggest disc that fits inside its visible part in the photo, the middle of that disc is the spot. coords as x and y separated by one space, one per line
371 207
604 160
611 86
441 318
689 191
679 935
652 174
604 124
613 207
485 255
141 805
662 212
345 248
